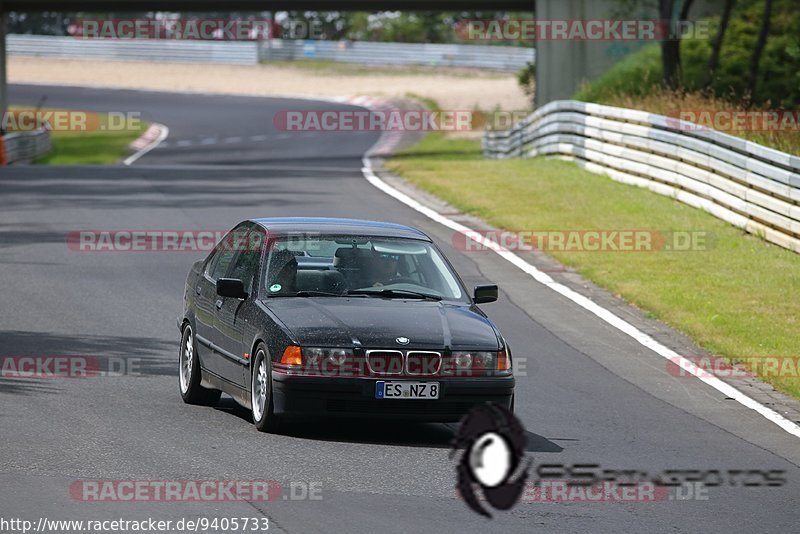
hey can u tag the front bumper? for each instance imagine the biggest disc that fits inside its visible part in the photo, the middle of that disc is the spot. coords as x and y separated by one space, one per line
295 395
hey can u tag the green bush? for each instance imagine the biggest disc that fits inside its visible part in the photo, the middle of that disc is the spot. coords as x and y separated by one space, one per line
526 77
636 75
779 72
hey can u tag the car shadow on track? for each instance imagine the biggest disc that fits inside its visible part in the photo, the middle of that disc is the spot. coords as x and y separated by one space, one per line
29 360
375 431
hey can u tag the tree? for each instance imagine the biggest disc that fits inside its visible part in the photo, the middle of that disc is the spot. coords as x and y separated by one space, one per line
671 42
755 59
670 47
713 61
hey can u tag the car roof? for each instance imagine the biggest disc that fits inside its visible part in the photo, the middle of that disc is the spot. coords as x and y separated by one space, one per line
280 225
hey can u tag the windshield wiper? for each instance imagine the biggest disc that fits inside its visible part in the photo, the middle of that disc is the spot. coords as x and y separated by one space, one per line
317 294
395 293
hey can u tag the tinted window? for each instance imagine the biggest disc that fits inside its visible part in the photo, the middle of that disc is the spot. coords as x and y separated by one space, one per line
226 251
222 261
246 265
340 264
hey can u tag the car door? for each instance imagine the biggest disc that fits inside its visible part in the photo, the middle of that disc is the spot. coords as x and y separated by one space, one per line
204 312
205 308
231 316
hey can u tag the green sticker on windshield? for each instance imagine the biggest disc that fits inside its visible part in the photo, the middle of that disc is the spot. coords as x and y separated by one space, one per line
275 288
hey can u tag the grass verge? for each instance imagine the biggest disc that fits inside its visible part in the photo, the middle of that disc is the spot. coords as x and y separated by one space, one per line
101 144
737 298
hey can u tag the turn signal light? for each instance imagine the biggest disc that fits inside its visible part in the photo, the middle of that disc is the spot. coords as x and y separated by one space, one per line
292 356
503 364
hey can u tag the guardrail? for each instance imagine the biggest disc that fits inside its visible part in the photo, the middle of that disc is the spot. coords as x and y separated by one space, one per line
24 147
748 185
235 52
504 58
251 52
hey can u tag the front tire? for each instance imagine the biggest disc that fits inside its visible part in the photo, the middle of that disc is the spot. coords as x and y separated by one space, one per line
189 373
261 392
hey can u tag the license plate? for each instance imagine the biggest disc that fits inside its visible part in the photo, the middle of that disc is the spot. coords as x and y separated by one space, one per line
406 390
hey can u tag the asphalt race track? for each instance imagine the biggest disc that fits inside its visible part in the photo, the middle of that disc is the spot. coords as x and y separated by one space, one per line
590 395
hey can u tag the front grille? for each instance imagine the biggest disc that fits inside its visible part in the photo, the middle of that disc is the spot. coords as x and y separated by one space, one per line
385 362
388 362
423 363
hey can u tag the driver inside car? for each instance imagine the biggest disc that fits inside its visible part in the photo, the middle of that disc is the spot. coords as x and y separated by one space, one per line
385 269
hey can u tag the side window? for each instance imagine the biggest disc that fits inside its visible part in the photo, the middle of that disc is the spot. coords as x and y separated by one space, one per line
224 254
222 261
246 264
211 263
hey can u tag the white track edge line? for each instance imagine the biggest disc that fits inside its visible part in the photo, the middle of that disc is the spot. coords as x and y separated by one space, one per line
163 134
585 303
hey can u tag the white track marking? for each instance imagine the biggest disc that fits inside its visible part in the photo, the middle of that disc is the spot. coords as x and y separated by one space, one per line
150 146
585 303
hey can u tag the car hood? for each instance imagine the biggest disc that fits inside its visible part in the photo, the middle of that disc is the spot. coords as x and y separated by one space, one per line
378 322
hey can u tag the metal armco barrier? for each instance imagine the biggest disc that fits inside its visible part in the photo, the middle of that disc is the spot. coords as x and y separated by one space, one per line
251 52
24 147
748 185
503 58
245 53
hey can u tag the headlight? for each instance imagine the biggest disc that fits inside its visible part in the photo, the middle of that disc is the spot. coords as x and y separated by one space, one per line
477 363
338 356
462 360
472 363
317 356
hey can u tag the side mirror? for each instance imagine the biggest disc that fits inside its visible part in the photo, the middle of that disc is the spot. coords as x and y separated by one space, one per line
485 293
231 287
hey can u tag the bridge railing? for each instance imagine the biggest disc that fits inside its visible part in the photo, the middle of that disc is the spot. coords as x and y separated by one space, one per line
746 184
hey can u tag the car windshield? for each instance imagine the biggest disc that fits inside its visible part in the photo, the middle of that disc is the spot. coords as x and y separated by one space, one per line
358 265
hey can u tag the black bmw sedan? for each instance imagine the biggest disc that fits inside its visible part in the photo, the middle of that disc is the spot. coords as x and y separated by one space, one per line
312 316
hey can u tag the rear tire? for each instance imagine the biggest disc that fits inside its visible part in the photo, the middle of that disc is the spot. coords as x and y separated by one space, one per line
262 407
189 373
